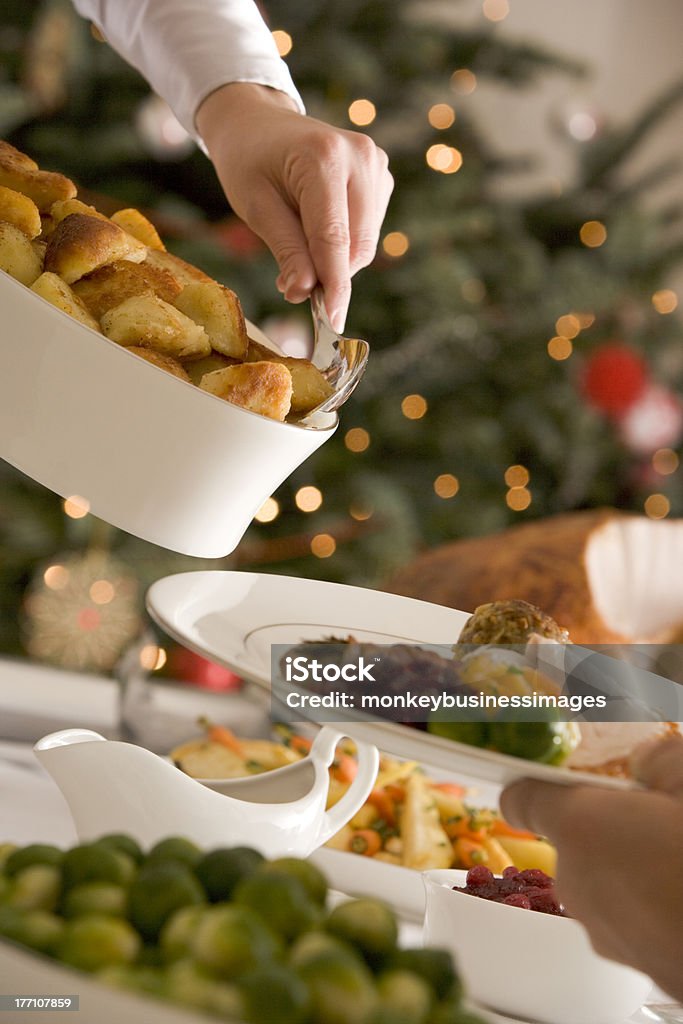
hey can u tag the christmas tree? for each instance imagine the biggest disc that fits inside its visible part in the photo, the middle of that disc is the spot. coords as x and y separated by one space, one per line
526 353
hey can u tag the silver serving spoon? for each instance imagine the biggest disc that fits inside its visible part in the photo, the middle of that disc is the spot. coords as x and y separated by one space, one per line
342 361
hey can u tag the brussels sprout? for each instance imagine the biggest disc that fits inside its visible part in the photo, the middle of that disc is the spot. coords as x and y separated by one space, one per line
36 887
311 877
405 997
341 991
177 934
281 901
5 850
367 924
122 844
95 898
175 848
94 862
94 941
38 929
36 853
434 965
275 994
550 741
157 892
221 870
189 983
231 940
311 944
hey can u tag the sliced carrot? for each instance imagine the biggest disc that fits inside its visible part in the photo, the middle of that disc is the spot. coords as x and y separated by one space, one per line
467 853
300 744
366 841
452 788
221 734
457 827
380 800
396 792
500 827
344 768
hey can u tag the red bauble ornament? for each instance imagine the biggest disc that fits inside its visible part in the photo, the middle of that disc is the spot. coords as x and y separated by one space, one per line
614 378
188 667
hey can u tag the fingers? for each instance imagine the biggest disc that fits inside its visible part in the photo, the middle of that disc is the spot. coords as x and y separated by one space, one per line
539 806
369 191
342 199
324 212
658 765
280 228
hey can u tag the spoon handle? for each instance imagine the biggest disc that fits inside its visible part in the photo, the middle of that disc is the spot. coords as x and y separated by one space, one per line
326 340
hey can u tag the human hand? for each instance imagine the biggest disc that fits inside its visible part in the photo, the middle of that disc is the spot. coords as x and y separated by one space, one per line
619 858
315 194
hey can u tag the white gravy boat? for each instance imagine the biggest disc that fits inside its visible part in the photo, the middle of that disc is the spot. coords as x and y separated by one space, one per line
112 786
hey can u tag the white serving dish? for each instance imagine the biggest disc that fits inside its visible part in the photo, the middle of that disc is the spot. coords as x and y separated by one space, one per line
525 963
150 453
234 618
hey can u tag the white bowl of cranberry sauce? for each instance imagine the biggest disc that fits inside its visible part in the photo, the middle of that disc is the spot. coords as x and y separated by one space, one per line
537 964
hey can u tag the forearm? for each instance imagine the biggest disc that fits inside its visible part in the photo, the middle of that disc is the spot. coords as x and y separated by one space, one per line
187 49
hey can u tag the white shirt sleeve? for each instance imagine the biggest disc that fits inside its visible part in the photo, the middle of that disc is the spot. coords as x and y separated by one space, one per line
188 48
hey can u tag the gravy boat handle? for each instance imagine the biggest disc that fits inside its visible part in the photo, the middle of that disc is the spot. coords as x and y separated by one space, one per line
323 749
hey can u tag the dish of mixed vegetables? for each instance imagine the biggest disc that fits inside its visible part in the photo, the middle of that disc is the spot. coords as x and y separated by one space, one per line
409 820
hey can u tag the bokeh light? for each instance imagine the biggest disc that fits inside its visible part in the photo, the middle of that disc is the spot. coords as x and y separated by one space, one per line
323 545
152 658
568 325
283 41
517 476
665 461
414 407
442 158
518 498
582 126
56 577
360 512
269 510
357 439
441 116
102 592
463 81
593 233
76 507
495 10
395 244
657 506
446 485
665 301
560 348
308 499
362 112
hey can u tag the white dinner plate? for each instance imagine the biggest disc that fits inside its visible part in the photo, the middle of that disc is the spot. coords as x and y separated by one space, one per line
234 617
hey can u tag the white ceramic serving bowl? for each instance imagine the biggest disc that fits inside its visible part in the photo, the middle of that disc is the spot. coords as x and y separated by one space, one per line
152 454
521 962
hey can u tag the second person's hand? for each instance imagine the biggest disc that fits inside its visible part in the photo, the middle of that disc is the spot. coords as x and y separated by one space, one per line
619 858
315 194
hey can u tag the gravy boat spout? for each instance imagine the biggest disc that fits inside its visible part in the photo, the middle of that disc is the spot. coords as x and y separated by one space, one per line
112 786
